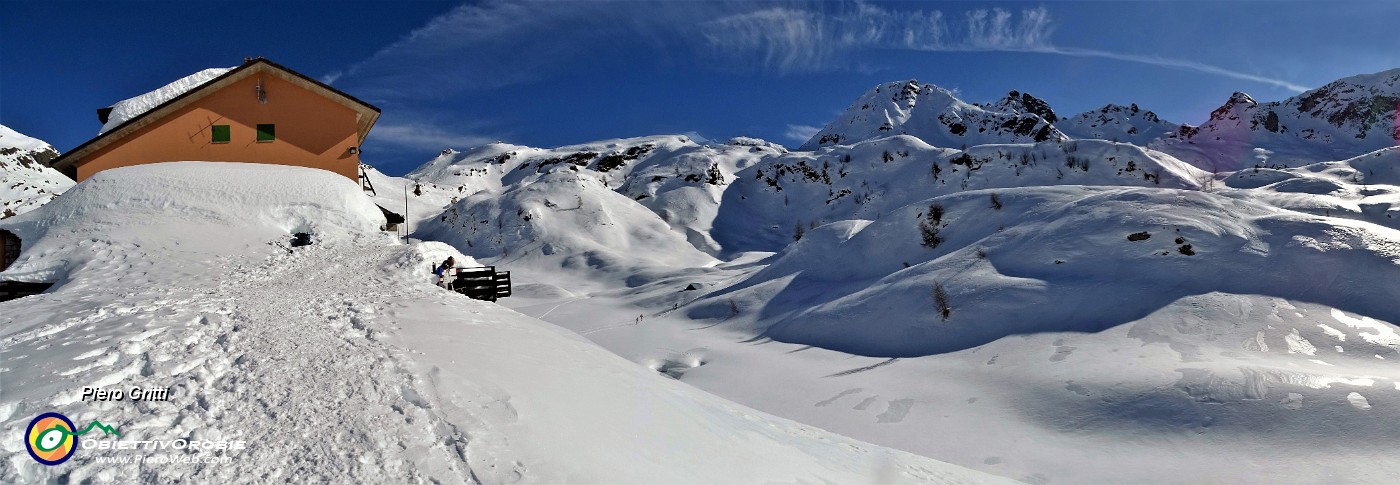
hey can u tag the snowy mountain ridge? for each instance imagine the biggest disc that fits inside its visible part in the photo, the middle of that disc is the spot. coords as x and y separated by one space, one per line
1127 124
26 181
936 116
1345 118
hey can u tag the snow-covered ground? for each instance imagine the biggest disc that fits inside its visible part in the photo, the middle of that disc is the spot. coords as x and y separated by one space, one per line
1072 353
1116 315
339 361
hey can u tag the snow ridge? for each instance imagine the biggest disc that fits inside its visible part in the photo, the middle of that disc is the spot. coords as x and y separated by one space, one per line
26 181
936 116
1342 119
1128 124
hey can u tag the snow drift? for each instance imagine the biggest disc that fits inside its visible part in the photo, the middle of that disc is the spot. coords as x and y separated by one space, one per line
226 208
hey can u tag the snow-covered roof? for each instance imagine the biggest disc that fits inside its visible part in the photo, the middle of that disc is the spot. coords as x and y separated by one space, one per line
132 107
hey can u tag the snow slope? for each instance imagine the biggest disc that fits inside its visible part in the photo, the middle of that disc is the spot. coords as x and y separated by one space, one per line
1045 260
1127 124
26 181
934 115
677 180
869 180
1107 322
1209 388
567 219
1365 188
136 106
1343 119
1259 346
338 361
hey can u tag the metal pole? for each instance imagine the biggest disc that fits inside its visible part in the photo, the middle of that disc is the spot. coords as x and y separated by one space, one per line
405 214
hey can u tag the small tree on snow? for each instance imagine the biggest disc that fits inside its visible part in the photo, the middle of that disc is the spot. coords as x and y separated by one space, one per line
1206 181
798 231
929 227
940 300
996 201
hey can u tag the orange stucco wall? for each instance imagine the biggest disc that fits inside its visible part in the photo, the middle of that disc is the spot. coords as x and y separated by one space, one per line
311 131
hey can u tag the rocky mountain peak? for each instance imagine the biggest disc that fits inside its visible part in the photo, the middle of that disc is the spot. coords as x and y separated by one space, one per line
938 117
1021 102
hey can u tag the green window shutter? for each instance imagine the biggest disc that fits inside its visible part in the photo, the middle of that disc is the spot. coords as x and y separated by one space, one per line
220 133
267 132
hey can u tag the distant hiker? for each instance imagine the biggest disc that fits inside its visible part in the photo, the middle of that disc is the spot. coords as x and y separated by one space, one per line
444 272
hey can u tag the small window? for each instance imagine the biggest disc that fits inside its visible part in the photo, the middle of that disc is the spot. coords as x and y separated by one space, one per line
267 133
220 133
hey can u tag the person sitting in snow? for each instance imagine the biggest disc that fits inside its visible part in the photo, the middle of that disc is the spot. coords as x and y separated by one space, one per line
444 273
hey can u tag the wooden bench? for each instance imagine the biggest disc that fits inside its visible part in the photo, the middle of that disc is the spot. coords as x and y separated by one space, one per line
483 283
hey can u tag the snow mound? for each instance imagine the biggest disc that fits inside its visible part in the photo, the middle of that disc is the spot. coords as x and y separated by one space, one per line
568 218
132 107
26 181
1364 188
199 210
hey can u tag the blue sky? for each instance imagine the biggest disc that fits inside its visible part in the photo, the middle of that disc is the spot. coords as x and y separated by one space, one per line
453 74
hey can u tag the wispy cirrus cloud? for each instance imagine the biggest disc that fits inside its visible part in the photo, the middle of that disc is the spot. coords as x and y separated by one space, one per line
425 137
796 39
492 44
801 133
1173 63
487 45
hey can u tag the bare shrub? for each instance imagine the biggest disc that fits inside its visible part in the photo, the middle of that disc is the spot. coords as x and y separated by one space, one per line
940 300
